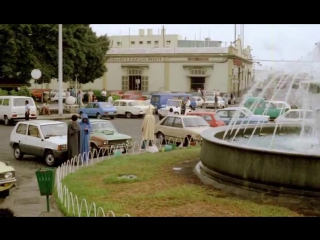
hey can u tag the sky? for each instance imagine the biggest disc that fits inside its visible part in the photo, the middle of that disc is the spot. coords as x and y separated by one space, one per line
269 42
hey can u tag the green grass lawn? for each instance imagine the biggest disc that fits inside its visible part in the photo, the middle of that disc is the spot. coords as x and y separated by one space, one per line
159 190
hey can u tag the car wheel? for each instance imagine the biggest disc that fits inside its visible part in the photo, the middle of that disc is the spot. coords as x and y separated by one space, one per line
176 113
187 141
95 151
4 193
6 121
17 152
49 158
128 115
98 116
112 117
161 138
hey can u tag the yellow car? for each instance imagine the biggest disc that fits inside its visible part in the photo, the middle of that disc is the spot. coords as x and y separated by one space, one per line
7 179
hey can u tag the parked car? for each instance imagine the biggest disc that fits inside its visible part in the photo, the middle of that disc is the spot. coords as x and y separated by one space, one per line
12 108
41 138
105 138
55 98
198 100
7 179
303 116
53 92
99 110
142 104
176 106
279 105
209 102
245 116
211 117
125 109
181 129
259 106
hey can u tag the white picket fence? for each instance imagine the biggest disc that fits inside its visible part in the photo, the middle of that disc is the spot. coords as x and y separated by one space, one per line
81 208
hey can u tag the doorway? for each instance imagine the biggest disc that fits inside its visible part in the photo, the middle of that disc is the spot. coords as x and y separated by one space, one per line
133 84
196 83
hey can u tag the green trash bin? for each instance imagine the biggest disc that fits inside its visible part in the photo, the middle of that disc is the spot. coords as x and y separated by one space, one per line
46 177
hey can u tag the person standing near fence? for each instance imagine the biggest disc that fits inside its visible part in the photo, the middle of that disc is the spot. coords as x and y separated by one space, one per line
73 138
85 129
148 124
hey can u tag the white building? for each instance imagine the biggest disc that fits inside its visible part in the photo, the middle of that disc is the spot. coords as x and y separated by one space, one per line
150 62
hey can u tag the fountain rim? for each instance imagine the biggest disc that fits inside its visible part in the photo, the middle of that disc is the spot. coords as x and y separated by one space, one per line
209 135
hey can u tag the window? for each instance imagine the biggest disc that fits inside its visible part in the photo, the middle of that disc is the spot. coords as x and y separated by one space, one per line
19 102
123 104
308 115
144 83
135 72
294 114
177 123
223 114
118 43
195 122
50 130
89 105
1 102
149 42
5 102
169 121
33 131
140 42
168 42
207 117
198 72
116 103
231 113
271 105
22 129
155 99
132 42
156 42
96 105
125 83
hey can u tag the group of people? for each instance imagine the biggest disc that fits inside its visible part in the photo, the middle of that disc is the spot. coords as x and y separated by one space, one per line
79 137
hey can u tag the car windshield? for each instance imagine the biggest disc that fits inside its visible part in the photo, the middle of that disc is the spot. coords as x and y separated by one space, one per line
105 105
103 126
173 103
195 122
19 102
52 130
136 103
210 99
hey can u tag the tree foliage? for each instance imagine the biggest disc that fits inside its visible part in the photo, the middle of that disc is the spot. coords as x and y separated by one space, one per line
28 46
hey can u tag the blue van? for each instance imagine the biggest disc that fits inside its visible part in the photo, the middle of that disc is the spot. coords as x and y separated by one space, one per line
159 100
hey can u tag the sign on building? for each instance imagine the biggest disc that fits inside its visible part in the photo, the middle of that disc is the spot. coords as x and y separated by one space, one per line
136 59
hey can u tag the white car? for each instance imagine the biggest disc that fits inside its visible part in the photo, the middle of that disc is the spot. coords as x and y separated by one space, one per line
142 104
7 179
278 104
176 106
181 129
209 102
12 108
55 98
127 108
199 101
245 116
56 91
41 138
296 116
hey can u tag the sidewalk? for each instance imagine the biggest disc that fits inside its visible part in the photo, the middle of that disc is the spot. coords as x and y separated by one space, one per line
25 201
65 116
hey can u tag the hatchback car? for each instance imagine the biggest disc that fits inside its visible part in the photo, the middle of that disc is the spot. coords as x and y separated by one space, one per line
7 179
211 117
99 110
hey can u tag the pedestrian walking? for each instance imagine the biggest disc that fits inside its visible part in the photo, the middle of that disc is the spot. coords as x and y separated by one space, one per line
85 129
110 99
103 95
73 137
80 97
27 110
148 124
90 96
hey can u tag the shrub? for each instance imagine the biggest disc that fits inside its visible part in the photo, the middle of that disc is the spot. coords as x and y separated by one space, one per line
24 91
3 92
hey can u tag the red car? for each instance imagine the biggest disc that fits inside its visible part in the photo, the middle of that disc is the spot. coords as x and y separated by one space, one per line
211 117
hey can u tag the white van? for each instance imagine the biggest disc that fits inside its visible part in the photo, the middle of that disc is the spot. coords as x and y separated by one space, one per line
12 108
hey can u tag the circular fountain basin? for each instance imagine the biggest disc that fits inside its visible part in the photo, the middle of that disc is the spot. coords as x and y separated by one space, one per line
250 169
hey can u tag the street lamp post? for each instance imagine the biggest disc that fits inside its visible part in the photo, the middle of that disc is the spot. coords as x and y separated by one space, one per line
60 71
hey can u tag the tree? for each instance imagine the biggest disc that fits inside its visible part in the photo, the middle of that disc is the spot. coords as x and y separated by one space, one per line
28 46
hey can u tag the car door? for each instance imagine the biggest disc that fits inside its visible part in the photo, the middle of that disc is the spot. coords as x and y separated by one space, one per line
224 115
88 110
116 104
122 108
166 128
34 141
177 131
20 137
95 110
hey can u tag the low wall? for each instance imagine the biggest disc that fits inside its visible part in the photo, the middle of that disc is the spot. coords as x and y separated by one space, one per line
273 171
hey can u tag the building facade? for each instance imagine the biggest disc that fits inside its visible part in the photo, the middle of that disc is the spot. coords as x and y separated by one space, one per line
176 69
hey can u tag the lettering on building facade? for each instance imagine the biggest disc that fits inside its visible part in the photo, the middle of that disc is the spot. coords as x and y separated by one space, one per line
198 59
136 59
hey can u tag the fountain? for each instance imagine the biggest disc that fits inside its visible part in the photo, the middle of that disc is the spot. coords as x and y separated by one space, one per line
269 158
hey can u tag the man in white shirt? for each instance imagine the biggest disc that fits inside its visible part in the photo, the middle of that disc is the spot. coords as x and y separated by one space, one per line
90 96
45 108
188 103
110 99
103 95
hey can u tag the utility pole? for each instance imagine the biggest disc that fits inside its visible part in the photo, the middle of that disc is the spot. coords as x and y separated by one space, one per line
163 38
60 71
